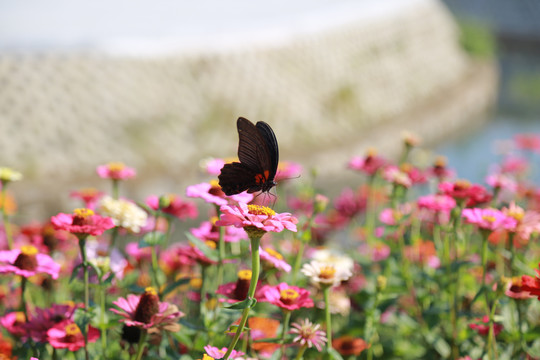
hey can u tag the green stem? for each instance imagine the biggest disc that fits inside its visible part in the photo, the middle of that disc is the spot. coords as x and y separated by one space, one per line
102 320
286 320
328 317
115 191
301 352
142 345
221 250
297 262
7 225
114 235
155 268
82 247
255 269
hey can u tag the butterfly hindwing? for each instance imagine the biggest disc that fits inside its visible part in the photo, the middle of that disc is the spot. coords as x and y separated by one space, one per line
259 156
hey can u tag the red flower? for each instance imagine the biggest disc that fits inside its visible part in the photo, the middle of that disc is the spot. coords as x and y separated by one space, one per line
348 345
464 191
175 206
368 164
482 326
531 284
67 335
82 222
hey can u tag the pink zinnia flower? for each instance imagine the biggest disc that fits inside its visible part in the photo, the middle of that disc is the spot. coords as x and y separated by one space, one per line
216 353
237 291
27 262
15 323
288 170
415 175
529 142
193 253
464 191
514 288
488 219
287 297
209 231
396 176
436 202
67 335
176 206
501 181
308 334
390 216
514 165
531 284
147 312
255 216
82 222
527 222
368 164
276 259
139 254
44 319
115 171
440 169
350 203
213 165
212 193
90 196
482 326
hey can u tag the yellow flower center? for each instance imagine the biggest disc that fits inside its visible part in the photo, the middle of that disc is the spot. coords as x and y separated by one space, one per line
19 317
260 210
327 272
405 167
29 250
440 161
517 214
214 183
88 191
489 218
288 295
150 291
213 220
116 166
195 283
211 244
462 184
244 274
207 357
83 213
274 253
371 152
72 329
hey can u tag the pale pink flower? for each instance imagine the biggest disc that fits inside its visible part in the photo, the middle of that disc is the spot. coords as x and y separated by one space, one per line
276 259
217 353
115 171
514 165
286 297
175 206
308 334
396 176
212 193
90 196
392 217
288 170
436 202
501 181
82 222
527 222
213 165
260 217
27 262
529 142
488 219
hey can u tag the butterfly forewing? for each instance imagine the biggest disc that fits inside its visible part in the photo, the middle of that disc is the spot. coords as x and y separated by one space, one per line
271 143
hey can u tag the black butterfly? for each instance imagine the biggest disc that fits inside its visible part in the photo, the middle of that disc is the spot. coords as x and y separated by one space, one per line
259 156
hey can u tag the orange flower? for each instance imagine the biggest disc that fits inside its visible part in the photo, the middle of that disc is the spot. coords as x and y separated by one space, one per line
348 345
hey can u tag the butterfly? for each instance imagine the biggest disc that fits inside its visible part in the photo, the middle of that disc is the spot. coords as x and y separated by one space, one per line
259 156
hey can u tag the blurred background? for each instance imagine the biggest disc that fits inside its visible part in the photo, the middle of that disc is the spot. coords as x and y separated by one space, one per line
159 85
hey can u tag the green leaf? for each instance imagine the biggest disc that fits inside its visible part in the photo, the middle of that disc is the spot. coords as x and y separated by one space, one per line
152 239
250 302
174 285
334 354
82 317
210 253
74 272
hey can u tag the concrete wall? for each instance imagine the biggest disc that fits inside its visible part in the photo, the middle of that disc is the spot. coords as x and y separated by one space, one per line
325 94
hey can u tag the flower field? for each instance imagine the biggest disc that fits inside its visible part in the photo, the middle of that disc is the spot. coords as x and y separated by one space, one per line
409 263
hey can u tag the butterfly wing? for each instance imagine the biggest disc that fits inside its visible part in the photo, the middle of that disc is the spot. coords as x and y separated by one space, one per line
272 145
235 178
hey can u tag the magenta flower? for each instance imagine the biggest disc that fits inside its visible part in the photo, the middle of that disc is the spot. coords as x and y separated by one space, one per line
139 254
115 171
209 231
45 319
82 222
147 312
274 258
481 326
488 219
464 191
14 322
195 254
213 166
392 217
368 164
216 353
286 297
260 217
67 335
176 206
350 203
308 334
27 262
212 193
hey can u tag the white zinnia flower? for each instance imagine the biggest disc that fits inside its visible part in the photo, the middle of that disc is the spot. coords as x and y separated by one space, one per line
326 273
124 213
334 257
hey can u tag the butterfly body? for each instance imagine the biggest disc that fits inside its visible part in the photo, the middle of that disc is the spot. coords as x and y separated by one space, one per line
259 156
